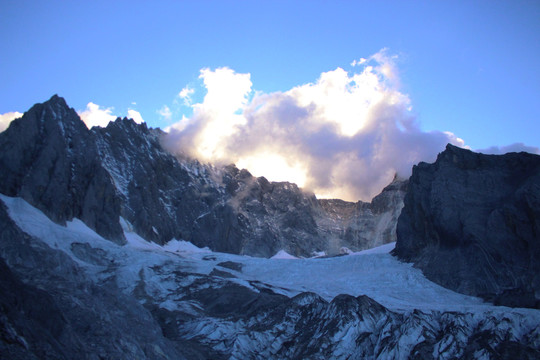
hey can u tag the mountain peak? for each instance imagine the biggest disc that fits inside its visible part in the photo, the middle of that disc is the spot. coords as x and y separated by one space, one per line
468 211
58 107
55 99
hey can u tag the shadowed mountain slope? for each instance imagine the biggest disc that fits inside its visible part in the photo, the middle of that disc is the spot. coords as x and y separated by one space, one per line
471 222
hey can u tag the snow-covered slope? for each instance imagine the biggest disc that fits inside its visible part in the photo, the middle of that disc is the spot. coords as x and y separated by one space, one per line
364 305
375 273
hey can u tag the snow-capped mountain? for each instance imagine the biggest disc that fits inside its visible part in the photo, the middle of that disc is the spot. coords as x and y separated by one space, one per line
113 248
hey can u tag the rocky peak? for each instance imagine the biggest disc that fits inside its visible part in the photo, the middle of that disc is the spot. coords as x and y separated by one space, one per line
50 159
99 175
391 196
471 222
127 126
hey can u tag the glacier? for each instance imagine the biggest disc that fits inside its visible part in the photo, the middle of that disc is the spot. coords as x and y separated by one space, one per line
366 298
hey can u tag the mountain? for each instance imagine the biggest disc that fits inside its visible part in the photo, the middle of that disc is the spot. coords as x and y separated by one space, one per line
112 247
103 175
50 158
471 222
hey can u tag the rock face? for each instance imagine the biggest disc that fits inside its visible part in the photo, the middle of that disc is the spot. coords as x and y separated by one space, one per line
49 309
363 225
471 222
121 174
50 159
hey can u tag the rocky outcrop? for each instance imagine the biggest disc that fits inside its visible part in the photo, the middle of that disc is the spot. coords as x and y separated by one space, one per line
49 308
121 174
308 327
471 222
362 225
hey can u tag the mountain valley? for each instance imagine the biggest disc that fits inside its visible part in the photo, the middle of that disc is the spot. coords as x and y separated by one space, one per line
112 247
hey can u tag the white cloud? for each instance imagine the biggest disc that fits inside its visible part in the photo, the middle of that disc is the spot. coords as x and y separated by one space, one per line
96 116
515 147
215 120
7 118
345 135
227 90
358 62
185 94
135 115
165 112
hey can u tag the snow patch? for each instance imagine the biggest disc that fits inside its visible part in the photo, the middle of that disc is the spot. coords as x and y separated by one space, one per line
345 251
383 249
182 246
282 254
135 241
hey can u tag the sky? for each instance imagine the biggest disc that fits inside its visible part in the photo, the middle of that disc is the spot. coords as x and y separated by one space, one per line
338 96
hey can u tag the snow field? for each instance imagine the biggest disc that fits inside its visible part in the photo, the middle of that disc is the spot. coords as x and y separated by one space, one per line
374 272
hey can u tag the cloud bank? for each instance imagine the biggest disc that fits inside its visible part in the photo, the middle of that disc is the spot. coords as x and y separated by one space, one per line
7 118
345 135
515 147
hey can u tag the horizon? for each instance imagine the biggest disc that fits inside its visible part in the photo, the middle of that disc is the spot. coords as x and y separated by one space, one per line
335 97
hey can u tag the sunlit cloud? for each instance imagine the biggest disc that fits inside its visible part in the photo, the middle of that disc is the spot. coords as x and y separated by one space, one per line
96 116
215 120
281 168
345 135
7 118
135 115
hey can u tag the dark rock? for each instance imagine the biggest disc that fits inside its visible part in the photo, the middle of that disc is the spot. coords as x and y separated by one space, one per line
49 158
221 273
50 309
362 225
471 222
30 321
231 265
86 253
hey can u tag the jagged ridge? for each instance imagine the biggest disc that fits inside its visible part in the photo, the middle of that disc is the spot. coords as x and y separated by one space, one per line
100 175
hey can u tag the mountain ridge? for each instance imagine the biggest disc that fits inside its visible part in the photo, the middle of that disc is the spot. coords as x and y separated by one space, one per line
122 170
88 270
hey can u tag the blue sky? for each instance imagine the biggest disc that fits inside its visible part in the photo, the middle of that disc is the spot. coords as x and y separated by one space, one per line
467 67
